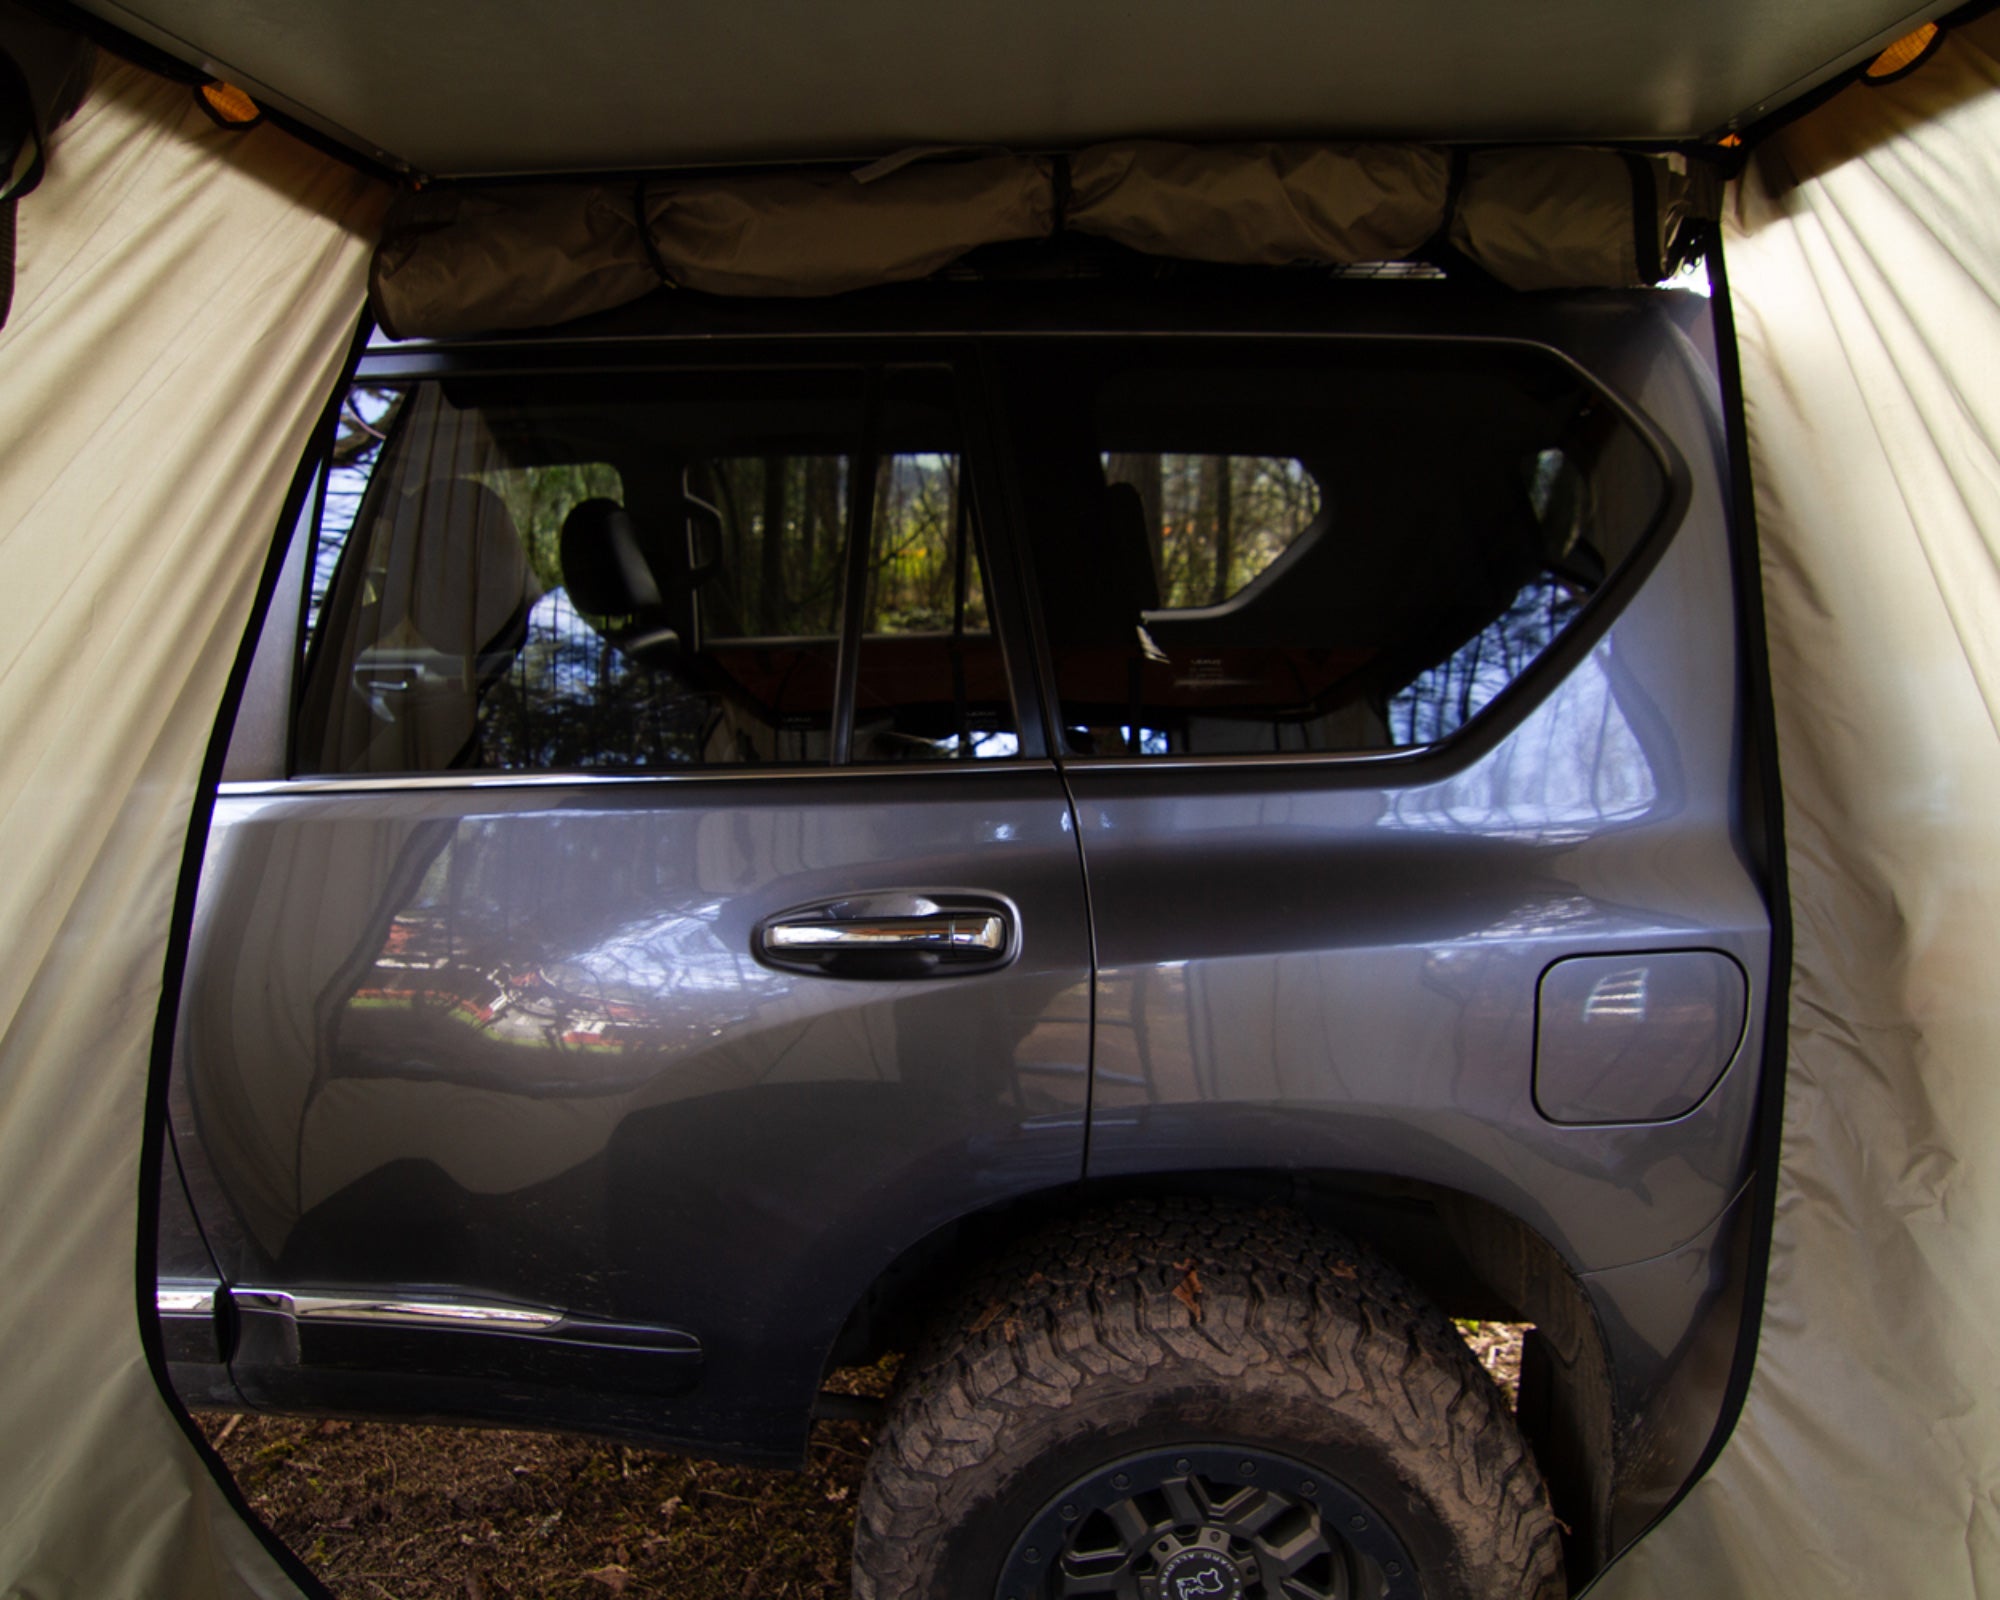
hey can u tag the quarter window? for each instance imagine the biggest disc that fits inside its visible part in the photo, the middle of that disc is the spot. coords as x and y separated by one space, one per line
1350 551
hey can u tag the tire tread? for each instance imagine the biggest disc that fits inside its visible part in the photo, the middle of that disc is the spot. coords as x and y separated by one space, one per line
1283 1307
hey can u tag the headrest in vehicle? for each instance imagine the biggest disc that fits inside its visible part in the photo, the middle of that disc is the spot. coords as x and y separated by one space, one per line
604 564
1129 545
470 583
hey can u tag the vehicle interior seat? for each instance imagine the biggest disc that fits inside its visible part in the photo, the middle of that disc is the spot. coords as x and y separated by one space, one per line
449 623
610 575
1128 550
1095 615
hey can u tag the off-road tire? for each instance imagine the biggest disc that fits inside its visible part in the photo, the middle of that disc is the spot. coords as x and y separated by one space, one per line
1173 1324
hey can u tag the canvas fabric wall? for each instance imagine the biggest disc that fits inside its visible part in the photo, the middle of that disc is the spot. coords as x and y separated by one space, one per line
1864 258
186 296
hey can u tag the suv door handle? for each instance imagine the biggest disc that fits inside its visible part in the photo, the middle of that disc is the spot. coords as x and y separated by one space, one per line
948 933
899 936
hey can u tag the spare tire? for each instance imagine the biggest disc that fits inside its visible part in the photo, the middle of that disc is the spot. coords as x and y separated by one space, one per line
1184 1400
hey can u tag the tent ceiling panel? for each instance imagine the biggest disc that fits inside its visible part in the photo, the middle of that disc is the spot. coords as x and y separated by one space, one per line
457 89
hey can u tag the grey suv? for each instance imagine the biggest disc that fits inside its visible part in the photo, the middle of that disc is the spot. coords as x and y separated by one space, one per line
1142 843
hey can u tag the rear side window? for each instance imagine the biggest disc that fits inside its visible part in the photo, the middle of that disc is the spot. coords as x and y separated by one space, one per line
1215 522
648 575
1341 548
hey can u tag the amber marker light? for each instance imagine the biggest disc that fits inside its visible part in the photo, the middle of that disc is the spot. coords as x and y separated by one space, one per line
1905 55
229 105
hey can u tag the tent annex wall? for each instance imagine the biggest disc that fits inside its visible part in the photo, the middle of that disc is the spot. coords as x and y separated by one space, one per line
184 302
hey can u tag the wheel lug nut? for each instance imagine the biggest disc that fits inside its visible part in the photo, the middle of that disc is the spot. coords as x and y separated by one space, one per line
1183 1464
1247 1468
1121 1480
1393 1570
1308 1487
1070 1513
1357 1523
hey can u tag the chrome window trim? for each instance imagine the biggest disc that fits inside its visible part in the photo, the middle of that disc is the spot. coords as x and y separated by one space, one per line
264 788
1399 755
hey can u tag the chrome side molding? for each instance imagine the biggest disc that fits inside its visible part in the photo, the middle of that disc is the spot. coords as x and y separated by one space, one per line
174 1299
432 1311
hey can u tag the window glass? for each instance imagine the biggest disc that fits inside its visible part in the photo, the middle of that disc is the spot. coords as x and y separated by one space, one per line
529 572
783 535
932 685
1349 551
1215 522
639 575
366 415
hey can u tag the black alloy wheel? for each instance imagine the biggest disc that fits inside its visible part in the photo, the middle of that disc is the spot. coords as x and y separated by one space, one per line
1208 1523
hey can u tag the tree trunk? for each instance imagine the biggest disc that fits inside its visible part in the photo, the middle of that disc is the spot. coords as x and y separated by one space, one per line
1225 545
771 575
809 499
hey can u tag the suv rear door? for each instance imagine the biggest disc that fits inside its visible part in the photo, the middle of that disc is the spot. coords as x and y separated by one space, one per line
663 920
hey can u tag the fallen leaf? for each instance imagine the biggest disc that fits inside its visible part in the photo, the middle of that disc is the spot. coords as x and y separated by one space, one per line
1188 1291
985 1319
613 1578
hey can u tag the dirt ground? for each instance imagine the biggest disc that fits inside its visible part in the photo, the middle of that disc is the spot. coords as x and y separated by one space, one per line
388 1512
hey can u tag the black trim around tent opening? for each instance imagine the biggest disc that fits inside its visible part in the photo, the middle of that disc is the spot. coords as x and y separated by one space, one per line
154 1131
1764 796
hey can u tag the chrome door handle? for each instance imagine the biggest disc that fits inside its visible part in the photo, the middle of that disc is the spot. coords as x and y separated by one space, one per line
892 935
950 933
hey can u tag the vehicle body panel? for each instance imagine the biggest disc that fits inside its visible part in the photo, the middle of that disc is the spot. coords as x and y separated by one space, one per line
515 1044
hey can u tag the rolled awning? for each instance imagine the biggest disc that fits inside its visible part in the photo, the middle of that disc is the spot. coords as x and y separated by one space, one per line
466 260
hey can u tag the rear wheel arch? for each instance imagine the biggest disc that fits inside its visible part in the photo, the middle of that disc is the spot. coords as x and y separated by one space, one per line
1465 1256
1175 1338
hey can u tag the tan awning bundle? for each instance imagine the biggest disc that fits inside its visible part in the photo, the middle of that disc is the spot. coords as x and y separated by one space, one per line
458 261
